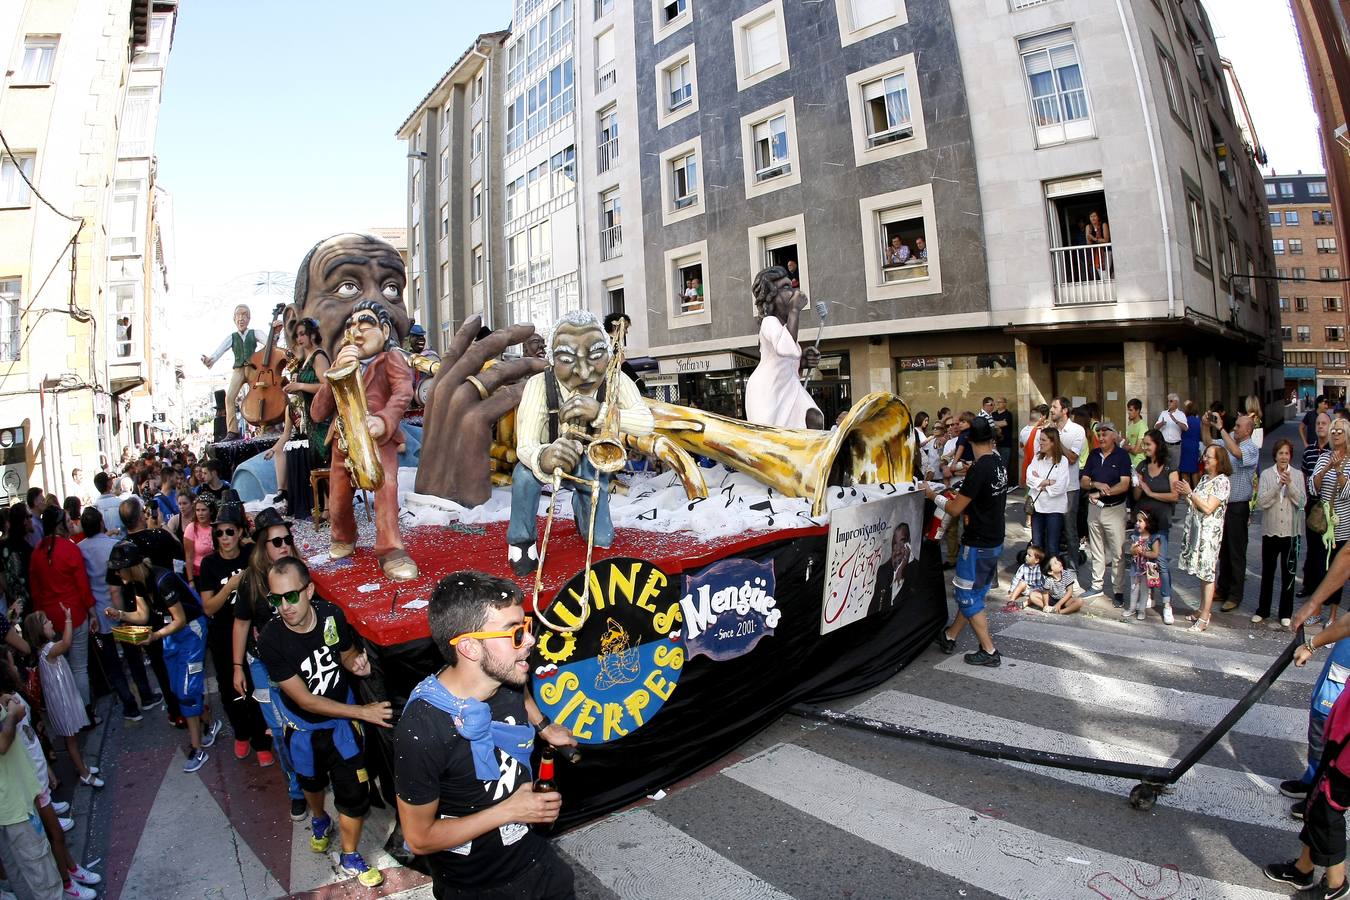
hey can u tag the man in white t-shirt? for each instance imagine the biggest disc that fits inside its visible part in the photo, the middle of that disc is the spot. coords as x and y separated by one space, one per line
1073 438
1172 422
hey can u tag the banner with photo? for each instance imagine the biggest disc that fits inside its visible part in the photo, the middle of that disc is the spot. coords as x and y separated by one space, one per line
871 546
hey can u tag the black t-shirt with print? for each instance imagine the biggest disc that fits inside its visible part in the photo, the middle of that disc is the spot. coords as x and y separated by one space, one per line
216 570
433 764
986 485
257 613
163 589
315 656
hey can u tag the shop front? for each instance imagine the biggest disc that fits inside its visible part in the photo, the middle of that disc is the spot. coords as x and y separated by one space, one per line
715 382
960 382
1300 382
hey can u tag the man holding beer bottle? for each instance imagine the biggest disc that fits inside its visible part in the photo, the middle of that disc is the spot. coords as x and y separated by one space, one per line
462 752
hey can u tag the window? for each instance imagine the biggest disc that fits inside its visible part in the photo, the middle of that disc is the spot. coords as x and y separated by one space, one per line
1284 304
477 88
900 246
1331 304
677 87
1298 273
1277 246
445 219
126 220
477 266
1300 304
611 227
603 7
137 111
1290 217
1322 217
1286 189
1270 190
781 242
1195 210
669 16
886 111
1286 333
1275 220
563 171
608 151
1059 102
760 44
123 312
39 57
445 163
860 19
1315 188
1281 273
688 289
14 189
1326 245
476 140
606 73
768 148
1304 334
153 54
445 279
1334 359
1329 274
681 183
10 327
1201 121
1295 245
1172 82
1335 333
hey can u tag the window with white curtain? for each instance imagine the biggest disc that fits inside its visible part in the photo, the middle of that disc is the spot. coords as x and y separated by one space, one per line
134 138
124 221
684 181
39 58
772 154
888 113
761 45
14 191
1059 101
863 13
11 329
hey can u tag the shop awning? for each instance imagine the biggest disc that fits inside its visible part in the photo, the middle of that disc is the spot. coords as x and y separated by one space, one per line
705 362
119 386
1300 373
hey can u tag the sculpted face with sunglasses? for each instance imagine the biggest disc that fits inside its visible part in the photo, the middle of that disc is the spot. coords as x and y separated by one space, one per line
482 631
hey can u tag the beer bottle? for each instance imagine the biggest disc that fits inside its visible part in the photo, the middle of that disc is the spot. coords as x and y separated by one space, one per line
544 783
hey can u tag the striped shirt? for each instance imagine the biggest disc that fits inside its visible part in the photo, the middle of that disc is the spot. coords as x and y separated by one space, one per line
1336 490
1311 454
635 417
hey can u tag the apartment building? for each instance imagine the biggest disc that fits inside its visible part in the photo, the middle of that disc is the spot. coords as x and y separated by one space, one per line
79 246
1312 297
454 236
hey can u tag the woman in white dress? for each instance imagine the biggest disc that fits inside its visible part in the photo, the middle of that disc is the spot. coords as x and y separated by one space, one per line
773 395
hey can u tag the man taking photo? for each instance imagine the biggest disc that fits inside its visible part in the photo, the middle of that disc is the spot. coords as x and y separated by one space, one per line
465 799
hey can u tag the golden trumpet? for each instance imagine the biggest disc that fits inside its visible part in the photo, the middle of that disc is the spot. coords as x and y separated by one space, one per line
353 438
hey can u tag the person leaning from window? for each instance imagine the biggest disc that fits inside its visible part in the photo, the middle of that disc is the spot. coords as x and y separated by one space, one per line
897 253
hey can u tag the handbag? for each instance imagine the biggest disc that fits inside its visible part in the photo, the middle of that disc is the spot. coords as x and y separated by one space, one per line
1317 518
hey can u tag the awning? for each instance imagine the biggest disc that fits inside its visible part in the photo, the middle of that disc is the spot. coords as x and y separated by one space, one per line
1299 373
706 362
119 386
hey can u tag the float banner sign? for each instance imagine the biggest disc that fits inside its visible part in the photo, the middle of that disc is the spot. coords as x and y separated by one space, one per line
728 607
870 548
608 678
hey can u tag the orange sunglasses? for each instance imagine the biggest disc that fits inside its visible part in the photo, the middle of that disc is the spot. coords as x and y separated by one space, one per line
517 634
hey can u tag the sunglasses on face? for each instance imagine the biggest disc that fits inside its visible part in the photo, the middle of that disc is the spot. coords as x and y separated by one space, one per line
284 540
226 532
517 634
291 598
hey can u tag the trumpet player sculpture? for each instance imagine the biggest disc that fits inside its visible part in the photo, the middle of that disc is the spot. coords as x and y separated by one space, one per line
558 413
369 386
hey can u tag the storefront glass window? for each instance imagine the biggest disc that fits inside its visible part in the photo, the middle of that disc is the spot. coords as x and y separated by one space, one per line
928 383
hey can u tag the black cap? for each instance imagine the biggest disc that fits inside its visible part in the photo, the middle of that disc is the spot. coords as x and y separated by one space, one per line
980 431
268 518
124 555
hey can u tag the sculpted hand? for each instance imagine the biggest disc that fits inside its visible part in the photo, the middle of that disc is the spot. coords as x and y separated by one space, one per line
810 358
580 410
375 425
562 454
458 426
206 360
348 354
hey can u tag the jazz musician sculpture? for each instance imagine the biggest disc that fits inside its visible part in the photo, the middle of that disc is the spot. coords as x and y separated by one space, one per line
559 408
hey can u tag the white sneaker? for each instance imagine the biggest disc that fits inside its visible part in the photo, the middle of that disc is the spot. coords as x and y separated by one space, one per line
79 891
1257 620
1286 622
1167 614
84 876
209 739
66 824
60 807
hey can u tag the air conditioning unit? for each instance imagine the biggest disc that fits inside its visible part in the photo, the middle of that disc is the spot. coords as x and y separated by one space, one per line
13 463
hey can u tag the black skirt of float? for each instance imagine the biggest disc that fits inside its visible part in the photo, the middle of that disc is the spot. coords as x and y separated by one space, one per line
716 705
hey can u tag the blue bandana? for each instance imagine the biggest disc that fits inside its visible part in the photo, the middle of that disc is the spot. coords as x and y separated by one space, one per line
473 721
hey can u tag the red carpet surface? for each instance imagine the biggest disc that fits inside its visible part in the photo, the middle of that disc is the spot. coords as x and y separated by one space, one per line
377 611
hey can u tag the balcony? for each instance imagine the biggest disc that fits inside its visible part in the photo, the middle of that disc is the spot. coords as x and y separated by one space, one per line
611 242
1084 275
606 76
608 156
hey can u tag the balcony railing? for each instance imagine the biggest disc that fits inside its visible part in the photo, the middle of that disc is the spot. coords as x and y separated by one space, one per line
609 155
606 75
611 242
1084 275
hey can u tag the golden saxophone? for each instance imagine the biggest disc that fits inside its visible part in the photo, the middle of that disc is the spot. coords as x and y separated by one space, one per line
297 401
353 438
606 451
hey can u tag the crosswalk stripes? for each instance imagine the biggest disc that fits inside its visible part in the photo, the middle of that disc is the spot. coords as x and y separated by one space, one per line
659 860
1210 790
1136 698
1077 639
1000 857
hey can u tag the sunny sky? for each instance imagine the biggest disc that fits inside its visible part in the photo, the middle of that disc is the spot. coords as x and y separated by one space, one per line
278 121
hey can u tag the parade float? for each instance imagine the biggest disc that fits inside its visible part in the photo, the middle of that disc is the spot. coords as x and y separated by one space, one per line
679 608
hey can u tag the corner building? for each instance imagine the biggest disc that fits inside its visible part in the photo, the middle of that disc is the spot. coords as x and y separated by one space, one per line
990 130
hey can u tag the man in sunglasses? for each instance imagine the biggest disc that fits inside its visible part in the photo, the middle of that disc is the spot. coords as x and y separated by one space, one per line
309 651
465 799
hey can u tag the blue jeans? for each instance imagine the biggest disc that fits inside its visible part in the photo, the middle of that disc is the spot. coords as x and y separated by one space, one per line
975 568
1045 531
526 490
1164 568
273 719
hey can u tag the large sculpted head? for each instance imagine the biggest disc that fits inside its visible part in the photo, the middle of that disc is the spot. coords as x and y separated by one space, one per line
580 351
341 271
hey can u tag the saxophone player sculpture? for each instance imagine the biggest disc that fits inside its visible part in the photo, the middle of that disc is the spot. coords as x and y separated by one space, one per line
369 387
560 405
